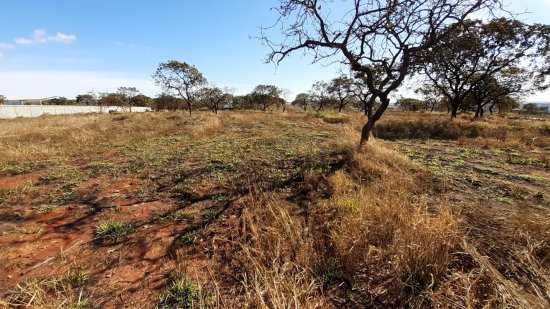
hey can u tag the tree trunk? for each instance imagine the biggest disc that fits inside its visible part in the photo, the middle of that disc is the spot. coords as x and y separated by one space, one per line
366 131
189 108
479 110
368 106
369 126
454 109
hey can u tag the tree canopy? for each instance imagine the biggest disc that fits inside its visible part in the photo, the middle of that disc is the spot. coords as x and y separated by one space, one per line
181 79
371 37
482 61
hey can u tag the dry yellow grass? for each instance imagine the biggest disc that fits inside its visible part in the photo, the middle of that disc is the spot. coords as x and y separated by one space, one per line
373 228
369 222
77 136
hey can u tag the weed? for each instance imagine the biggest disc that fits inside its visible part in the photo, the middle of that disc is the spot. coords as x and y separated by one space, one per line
539 195
182 215
113 230
537 178
519 193
190 237
32 230
525 161
75 278
43 209
208 214
47 293
505 200
182 292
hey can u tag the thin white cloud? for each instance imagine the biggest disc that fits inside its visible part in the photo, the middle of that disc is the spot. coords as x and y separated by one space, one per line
39 36
5 45
62 38
23 41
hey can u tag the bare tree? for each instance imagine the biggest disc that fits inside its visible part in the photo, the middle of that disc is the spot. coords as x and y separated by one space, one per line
181 79
369 36
285 93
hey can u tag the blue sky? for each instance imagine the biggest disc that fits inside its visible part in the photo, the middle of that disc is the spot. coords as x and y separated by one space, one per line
68 47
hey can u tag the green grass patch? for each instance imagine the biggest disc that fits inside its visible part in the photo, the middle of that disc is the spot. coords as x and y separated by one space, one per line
182 292
113 230
520 160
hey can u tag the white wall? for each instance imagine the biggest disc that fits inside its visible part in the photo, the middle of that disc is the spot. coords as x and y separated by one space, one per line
13 111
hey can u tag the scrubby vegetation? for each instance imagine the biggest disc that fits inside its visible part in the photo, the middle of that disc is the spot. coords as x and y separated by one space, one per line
274 210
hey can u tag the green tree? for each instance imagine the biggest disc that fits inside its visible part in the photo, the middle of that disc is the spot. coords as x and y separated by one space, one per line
433 99
213 96
58 101
480 56
320 96
2 99
142 101
370 36
166 102
411 104
86 99
302 100
111 99
128 94
264 96
504 104
243 102
181 79
341 88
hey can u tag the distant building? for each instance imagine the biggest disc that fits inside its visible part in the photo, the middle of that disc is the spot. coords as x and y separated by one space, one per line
544 107
27 101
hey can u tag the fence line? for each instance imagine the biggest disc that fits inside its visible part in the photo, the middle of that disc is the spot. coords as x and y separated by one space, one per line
14 111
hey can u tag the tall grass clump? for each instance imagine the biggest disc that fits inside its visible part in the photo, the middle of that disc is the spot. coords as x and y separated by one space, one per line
493 131
47 293
368 228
